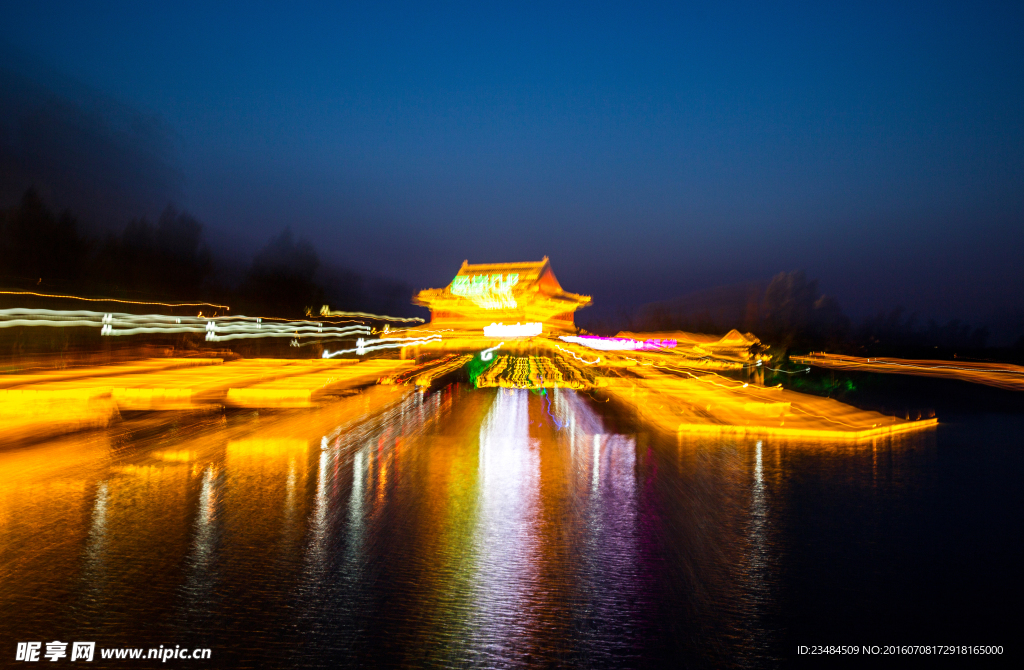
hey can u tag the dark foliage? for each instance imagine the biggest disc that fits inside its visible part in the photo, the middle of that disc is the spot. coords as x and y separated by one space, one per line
169 259
171 262
790 314
281 278
789 311
37 246
893 331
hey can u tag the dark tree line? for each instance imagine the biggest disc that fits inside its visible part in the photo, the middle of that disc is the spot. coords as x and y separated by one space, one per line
791 313
169 261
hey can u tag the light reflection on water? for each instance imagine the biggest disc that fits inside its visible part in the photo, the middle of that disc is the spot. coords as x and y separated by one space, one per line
505 574
489 528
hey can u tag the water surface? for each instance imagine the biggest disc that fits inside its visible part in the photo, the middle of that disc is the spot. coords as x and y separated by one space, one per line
504 528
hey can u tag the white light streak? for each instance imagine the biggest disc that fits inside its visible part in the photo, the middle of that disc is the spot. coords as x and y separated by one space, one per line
216 329
488 354
579 358
364 346
518 330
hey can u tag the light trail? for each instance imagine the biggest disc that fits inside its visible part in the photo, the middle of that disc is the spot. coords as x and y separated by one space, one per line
787 372
363 347
425 374
217 329
617 343
125 302
579 358
1000 375
326 311
517 330
703 404
488 354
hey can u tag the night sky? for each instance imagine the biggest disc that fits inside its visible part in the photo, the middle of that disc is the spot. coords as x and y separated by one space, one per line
649 151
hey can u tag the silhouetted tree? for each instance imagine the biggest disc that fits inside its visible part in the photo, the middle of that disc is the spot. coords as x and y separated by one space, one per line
795 313
281 280
39 248
896 333
169 260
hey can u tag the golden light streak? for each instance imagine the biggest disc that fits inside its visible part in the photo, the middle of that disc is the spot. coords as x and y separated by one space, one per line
124 302
716 405
1001 375
309 388
424 374
326 311
677 389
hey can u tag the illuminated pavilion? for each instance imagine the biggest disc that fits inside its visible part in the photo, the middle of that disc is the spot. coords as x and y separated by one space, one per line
520 300
506 293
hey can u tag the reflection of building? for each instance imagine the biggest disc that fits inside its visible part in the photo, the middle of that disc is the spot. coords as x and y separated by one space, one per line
508 293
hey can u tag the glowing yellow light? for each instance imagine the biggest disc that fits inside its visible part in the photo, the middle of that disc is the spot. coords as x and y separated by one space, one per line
319 380
1001 375
709 403
531 372
32 413
326 311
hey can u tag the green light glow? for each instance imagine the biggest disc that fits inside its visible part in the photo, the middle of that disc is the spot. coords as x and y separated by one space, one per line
472 286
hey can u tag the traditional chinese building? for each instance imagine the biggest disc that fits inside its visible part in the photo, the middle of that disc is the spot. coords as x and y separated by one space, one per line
507 293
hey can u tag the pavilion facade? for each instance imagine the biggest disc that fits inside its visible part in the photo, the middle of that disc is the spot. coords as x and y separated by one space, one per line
503 293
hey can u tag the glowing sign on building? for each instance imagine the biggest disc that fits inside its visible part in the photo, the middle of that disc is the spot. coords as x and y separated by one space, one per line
489 291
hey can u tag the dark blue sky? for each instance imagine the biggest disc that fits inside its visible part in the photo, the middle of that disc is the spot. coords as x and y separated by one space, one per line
648 151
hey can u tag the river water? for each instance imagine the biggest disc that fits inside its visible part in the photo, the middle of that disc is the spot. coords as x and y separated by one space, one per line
505 528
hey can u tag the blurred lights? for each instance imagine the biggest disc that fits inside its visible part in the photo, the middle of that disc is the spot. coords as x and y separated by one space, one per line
326 311
489 291
124 302
488 354
216 329
618 343
366 346
668 377
518 330
1001 375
